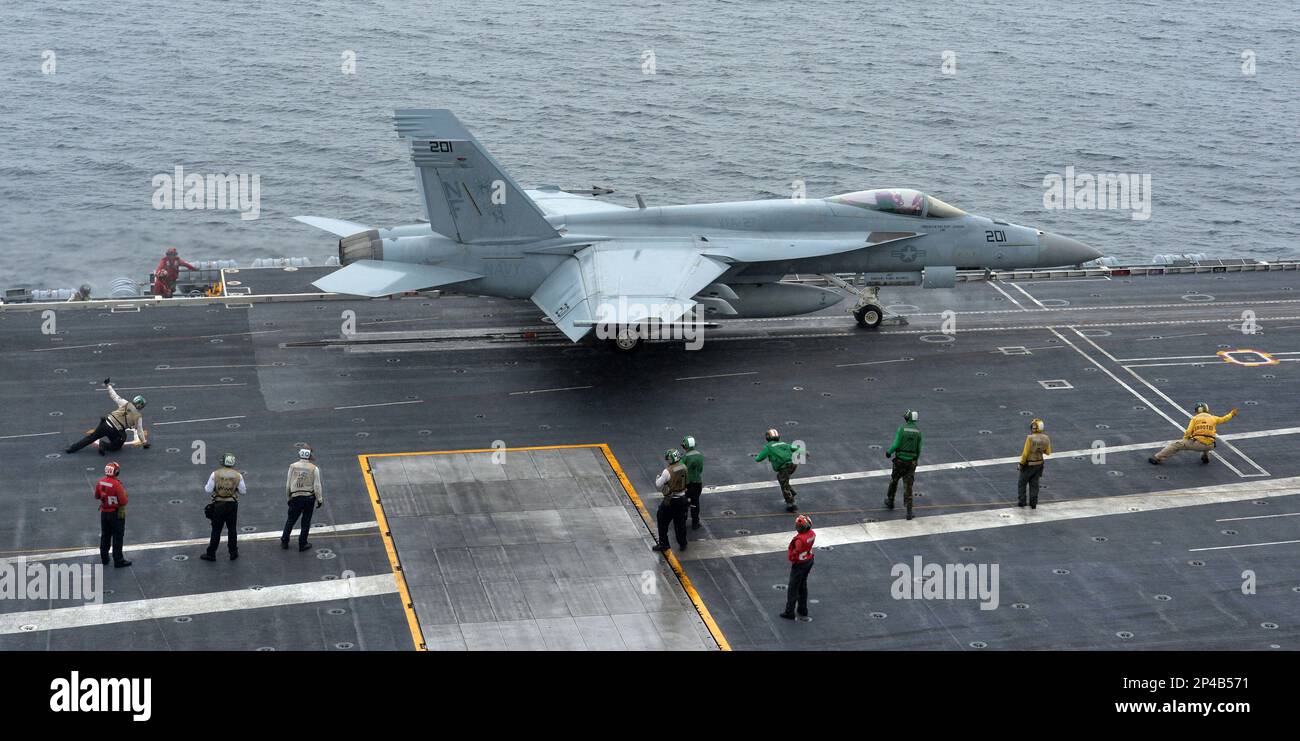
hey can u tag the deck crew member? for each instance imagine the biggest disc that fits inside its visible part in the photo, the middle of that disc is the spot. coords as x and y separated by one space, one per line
303 488
111 496
781 455
694 462
167 272
81 294
905 451
225 485
1199 436
112 427
800 553
672 483
1037 445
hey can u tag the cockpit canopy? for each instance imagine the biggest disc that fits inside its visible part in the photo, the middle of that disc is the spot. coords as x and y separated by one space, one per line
903 201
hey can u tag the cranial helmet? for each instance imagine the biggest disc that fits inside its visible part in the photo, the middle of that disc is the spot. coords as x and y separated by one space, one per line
112 469
772 435
138 402
802 523
672 456
304 453
228 460
171 251
911 415
688 442
1035 425
1202 408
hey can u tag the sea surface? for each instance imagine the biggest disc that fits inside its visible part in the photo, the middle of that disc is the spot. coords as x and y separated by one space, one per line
745 99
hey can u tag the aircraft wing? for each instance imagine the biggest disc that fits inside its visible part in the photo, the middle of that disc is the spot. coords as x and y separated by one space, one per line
385 277
555 202
625 282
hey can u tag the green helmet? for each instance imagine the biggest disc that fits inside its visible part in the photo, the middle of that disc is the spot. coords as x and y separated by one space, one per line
228 460
672 456
911 415
688 442
138 402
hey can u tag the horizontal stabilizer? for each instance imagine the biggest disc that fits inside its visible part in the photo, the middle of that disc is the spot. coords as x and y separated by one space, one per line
337 227
375 278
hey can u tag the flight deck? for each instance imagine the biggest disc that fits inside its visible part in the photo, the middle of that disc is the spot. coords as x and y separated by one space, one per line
428 540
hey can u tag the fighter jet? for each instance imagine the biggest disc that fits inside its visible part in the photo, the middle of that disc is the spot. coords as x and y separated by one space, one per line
593 265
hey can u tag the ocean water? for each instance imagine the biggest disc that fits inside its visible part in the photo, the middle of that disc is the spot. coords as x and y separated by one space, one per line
745 99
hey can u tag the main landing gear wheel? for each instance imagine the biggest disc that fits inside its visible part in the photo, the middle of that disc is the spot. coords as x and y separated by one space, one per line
869 316
626 342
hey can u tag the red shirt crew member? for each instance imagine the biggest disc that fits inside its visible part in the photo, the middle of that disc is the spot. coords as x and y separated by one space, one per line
167 272
111 496
800 553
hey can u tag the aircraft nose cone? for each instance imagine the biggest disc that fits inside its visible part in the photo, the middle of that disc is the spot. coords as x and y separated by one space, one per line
1054 250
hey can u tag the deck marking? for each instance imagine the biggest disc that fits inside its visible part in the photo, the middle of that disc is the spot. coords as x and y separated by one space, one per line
158 608
1258 517
399 576
73 347
381 404
185 386
1008 296
206 367
874 362
1171 336
1052 511
547 391
1146 402
1027 295
58 553
1188 415
719 375
963 465
1243 545
30 434
204 419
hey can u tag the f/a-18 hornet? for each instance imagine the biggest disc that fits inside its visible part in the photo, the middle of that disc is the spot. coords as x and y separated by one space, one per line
588 263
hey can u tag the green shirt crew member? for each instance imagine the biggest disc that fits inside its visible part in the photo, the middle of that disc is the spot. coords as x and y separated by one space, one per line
781 455
694 461
905 451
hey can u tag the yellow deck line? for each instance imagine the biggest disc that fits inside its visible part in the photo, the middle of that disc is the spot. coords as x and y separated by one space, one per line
418 635
676 565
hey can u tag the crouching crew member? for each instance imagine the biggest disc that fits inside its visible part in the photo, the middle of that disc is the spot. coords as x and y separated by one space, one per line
781 455
905 451
694 461
112 514
1200 435
225 485
672 483
112 427
303 488
1037 445
800 553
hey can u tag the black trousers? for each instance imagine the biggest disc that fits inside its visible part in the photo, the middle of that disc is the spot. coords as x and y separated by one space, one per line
115 438
905 470
672 510
299 507
224 515
797 591
1029 477
693 496
111 529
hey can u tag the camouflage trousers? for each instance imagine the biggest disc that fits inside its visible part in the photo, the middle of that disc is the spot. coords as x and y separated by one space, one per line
783 475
